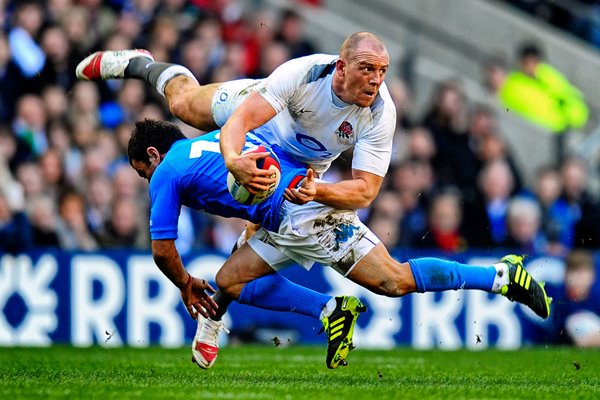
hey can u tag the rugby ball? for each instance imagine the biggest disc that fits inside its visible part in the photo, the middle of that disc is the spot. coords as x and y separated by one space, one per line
271 163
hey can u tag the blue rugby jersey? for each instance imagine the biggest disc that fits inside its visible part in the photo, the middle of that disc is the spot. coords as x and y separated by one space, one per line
193 174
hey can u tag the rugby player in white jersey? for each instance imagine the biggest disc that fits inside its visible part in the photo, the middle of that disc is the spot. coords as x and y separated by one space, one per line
313 107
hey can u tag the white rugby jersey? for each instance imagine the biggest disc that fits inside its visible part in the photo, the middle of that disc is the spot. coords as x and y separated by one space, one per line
314 125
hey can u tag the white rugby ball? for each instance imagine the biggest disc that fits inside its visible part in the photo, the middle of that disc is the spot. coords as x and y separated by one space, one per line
271 163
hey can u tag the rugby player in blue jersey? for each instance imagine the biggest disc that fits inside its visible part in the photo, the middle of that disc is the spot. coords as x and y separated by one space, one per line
192 172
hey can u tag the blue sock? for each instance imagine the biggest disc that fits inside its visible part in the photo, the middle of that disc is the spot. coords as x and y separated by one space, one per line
274 292
436 275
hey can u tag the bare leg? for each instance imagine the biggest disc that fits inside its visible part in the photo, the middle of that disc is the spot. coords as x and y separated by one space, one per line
243 266
191 103
381 274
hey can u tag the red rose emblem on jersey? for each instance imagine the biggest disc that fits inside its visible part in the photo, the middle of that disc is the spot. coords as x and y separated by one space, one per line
345 131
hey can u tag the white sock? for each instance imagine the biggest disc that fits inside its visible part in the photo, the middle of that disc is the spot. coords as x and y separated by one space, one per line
169 74
501 278
328 309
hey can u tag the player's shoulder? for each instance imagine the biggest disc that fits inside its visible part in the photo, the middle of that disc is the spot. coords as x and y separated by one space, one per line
309 68
312 59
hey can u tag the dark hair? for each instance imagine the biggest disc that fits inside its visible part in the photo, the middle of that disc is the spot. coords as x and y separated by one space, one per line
152 133
530 49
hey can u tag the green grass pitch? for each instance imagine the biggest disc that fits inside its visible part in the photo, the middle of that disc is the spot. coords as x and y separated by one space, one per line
295 372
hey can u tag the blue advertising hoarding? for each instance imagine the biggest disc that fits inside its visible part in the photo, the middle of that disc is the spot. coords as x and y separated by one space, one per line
121 298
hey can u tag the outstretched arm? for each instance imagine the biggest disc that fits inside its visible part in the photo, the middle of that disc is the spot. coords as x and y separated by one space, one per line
193 290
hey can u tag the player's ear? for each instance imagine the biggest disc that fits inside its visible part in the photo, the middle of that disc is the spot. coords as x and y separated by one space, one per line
153 154
340 67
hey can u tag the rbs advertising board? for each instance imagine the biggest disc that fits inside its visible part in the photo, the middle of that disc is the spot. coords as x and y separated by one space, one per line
121 298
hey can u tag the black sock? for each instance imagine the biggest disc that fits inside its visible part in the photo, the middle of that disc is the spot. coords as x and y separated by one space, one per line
145 69
223 302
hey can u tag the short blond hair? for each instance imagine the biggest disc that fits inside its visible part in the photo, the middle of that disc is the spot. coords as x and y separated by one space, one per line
352 42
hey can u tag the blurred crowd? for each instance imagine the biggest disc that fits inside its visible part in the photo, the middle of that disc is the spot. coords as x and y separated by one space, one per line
453 184
66 182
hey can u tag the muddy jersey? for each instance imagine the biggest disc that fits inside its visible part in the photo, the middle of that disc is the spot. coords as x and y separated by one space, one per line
313 125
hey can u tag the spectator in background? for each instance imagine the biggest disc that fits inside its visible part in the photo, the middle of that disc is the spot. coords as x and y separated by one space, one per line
10 188
194 55
85 101
486 218
444 219
55 101
446 120
29 175
291 33
578 308
99 197
13 152
584 209
11 81
73 232
209 32
539 93
523 222
413 181
486 141
131 98
58 68
273 54
385 218
557 223
30 123
42 213
402 97
233 64
126 183
53 172
259 31
60 139
124 228
420 144
164 34
26 24
75 23
101 19
16 234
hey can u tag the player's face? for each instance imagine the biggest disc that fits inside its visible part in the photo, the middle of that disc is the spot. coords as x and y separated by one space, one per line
144 170
363 75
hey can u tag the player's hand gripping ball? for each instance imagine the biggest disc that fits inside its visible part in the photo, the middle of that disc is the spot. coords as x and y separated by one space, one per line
271 163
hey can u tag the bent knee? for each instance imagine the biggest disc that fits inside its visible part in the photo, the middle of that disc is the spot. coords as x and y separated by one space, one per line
179 106
225 283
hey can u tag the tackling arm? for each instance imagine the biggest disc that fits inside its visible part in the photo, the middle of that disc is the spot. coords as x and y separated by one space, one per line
351 194
255 111
193 291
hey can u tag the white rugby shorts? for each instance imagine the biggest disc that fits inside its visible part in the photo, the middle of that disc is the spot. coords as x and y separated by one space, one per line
312 233
228 97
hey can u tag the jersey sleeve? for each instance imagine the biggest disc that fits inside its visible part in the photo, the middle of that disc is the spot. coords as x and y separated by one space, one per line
373 150
280 87
165 204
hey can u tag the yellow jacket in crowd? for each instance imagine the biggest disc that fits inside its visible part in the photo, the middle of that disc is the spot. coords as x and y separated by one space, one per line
547 99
